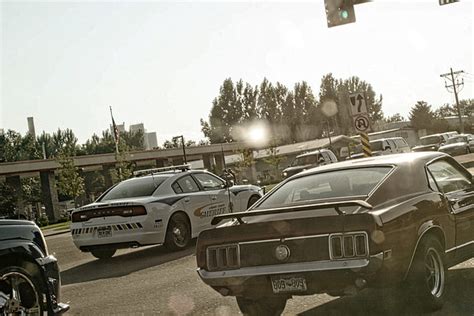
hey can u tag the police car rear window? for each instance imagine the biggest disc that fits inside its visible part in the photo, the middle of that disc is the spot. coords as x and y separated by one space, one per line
137 187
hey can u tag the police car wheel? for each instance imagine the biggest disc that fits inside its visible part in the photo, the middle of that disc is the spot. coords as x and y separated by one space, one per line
178 234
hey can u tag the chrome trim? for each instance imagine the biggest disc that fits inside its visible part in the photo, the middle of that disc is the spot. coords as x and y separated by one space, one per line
284 268
353 236
282 239
460 246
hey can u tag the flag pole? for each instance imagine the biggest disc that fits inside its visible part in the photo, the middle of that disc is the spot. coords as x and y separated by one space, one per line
115 131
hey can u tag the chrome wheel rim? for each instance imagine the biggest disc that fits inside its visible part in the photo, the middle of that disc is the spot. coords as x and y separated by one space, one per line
179 234
434 272
21 296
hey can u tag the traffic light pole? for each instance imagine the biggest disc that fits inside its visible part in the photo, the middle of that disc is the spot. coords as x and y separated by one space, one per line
454 86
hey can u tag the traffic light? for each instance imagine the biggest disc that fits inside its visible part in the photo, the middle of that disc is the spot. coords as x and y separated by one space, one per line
339 12
443 2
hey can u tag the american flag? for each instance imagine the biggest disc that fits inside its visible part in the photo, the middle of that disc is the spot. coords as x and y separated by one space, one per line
115 130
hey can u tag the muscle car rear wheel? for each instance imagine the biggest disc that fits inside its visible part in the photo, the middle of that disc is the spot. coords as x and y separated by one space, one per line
20 292
178 234
428 274
264 306
103 253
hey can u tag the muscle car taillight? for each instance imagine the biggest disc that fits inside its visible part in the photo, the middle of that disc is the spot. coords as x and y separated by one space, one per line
223 257
348 245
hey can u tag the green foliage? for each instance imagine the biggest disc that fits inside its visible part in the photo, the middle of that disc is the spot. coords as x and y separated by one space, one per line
70 183
397 117
244 162
123 169
8 199
421 116
31 190
274 159
14 147
293 114
43 221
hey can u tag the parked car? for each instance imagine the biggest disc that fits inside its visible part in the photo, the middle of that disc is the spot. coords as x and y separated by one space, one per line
458 145
167 206
309 160
383 146
394 220
29 276
430 143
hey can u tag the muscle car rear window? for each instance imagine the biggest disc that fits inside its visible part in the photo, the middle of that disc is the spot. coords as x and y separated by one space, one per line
136 187
333 184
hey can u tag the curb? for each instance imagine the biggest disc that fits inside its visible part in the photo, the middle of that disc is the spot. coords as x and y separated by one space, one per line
56 233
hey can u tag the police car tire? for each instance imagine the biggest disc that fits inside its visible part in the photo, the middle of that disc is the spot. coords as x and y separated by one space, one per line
252 200
102 254
180 221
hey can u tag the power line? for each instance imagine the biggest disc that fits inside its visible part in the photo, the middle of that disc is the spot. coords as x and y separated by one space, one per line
454 84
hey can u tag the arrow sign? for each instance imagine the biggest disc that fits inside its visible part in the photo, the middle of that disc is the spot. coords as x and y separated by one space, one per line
358 104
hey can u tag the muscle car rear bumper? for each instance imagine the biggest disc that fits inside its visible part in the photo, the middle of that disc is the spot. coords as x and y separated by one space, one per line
321 276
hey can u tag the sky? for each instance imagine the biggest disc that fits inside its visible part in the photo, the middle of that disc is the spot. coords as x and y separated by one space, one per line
162 63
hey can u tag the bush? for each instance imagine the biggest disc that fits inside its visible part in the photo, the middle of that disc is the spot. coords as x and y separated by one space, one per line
43 221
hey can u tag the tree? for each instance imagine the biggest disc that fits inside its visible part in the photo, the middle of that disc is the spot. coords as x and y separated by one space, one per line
225 114
421 116
467 106
244 162
397 117
274 159
8 200
123 169
14 147
70 183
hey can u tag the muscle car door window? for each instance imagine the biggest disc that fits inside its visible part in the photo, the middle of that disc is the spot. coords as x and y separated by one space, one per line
448 178
340 183
431 182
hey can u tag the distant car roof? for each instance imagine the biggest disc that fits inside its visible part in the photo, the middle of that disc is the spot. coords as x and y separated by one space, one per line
396 159
314 152
439 135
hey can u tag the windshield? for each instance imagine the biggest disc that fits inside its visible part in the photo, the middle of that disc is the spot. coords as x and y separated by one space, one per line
457 139
334 184
137 187
430 140
306 160
377 145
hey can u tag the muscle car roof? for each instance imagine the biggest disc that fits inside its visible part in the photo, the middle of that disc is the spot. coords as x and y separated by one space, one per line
397 160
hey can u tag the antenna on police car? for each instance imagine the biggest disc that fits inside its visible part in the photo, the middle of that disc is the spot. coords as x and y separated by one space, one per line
231 205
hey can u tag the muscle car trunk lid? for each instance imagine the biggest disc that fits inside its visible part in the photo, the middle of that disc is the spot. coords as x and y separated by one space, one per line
307 238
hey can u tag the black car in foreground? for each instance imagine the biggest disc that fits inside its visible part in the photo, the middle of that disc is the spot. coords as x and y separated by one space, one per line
29 276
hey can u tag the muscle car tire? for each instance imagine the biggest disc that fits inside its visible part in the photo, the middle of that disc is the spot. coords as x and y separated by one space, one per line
178 234
103 253
265 306
21 291
427 278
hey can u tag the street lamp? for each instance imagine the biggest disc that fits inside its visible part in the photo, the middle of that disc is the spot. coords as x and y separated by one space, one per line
184 147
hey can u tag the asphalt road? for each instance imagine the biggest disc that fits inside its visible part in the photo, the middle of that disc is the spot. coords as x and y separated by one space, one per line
152 280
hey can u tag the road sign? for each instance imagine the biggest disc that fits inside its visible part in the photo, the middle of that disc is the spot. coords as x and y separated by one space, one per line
361 122
358 103
364 140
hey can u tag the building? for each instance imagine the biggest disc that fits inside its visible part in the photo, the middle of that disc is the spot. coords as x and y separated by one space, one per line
151 141
31 126
137 127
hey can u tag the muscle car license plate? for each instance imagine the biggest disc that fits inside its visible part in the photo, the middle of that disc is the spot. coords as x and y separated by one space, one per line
282 284
104 232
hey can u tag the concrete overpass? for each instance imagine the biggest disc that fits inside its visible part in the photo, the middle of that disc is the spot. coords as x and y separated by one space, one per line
12 172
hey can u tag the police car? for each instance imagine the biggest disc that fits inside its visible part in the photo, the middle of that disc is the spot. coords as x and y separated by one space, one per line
167 206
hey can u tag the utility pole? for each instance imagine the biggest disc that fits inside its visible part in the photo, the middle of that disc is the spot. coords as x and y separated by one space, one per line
455 83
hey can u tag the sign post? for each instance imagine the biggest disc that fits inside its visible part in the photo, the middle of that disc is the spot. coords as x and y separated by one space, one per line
360 120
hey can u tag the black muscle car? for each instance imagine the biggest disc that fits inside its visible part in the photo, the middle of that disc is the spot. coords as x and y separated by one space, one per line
395 220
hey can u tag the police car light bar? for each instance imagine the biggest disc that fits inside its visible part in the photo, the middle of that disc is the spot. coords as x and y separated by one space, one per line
144 172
